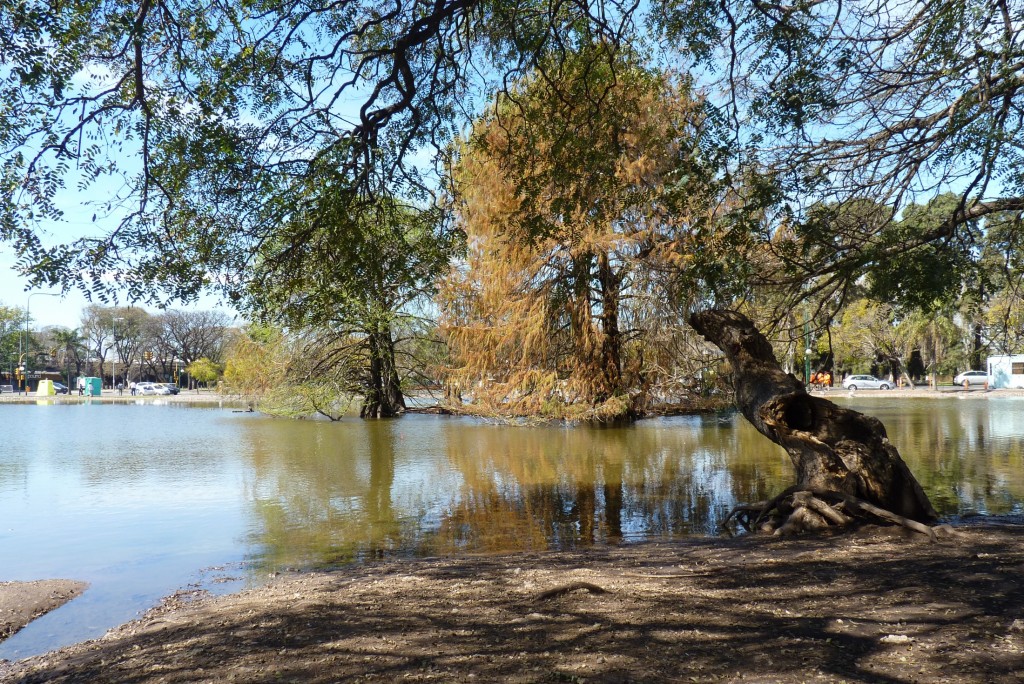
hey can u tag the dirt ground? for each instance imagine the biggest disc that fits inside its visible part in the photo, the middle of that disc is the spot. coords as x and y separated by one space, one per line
869 606
23 602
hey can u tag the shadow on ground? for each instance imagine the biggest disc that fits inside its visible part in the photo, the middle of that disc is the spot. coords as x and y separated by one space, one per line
865 607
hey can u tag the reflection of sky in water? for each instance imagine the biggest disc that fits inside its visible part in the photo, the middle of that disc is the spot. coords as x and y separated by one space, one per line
139 499
118 497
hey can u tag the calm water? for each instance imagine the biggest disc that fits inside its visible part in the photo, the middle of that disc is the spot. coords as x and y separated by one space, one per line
143 500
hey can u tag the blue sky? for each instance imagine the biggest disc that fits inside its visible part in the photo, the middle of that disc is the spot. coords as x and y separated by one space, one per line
78 207
64 310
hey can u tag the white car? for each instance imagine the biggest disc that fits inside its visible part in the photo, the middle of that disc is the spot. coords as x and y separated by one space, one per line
855 382
151 388
968 378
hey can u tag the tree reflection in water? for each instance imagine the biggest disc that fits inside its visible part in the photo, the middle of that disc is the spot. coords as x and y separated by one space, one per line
334 493
330 493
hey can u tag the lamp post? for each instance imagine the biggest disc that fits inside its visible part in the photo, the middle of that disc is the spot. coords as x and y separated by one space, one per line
21 351
113 359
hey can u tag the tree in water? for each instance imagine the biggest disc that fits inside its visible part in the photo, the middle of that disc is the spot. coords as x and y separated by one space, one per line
845 465
570 195
293 375
342 276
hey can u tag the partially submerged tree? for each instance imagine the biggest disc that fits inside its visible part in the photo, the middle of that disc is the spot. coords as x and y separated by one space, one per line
346 279
580 199
285 375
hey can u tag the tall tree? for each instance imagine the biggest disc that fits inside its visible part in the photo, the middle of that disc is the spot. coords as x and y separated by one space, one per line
192 335
10 328
96 328
205 116
571 194
1002 261
349 279
874 333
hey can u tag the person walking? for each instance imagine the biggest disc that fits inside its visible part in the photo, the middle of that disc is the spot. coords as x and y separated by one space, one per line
120 388
132 387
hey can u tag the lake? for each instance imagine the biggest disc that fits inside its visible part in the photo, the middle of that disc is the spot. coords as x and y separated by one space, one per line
142 500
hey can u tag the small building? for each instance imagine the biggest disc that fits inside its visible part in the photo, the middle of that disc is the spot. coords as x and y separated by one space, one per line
91 387
1006 371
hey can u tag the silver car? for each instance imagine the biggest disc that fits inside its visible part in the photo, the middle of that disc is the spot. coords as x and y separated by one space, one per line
968 378
855 382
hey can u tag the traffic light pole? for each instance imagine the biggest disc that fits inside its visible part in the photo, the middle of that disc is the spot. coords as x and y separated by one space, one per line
20 370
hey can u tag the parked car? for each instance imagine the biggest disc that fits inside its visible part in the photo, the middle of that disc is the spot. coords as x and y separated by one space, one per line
60 388
968 378
172 387
146 388
855 382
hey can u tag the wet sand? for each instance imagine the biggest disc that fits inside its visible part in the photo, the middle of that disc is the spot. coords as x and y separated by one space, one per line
22 602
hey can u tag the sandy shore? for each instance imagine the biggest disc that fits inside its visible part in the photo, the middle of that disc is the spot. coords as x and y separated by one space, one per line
22 602
871 606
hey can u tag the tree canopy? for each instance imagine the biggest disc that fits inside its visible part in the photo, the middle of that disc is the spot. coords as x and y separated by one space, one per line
568 205
193 129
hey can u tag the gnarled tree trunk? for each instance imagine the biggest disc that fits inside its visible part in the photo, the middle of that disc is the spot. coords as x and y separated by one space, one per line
845 465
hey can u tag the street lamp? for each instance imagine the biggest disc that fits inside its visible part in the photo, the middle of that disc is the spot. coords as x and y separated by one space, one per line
21 351
113 359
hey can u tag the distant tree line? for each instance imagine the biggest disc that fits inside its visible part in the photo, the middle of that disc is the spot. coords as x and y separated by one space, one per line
129 342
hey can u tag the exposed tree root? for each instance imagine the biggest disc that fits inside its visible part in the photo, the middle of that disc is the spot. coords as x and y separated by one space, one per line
560 591
799 509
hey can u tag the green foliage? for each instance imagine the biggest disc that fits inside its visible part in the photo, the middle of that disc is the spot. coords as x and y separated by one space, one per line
287 376
204 370
242 145
924 276
11 320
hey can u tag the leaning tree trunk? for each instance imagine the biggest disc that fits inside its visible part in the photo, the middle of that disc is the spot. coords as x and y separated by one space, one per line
846 467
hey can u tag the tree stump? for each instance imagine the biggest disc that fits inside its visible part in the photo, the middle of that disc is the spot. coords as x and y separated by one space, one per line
846 468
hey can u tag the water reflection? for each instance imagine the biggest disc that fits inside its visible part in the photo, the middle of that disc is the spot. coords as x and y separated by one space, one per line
968 452
332 493
328 493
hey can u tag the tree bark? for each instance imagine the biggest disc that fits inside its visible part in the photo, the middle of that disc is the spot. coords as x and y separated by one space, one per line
384 398
611 342
837 452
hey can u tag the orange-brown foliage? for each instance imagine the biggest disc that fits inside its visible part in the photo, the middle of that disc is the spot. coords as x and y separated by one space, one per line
570 206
